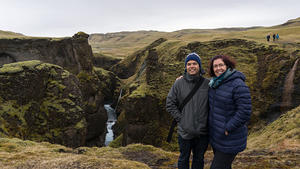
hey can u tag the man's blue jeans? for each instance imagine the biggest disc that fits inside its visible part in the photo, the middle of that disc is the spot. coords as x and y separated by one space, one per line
196 145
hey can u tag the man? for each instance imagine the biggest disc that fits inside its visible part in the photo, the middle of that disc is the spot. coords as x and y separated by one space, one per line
192 120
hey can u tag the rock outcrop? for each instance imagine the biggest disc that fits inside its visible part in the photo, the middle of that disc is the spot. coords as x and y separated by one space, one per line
42 102
73 54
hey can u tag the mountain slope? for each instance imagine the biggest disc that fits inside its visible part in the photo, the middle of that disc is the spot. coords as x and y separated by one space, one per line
284 133
8 34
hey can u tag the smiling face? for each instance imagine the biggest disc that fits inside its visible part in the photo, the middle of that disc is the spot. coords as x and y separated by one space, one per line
192 67
219 67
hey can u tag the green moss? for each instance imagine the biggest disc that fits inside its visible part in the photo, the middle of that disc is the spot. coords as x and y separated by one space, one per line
18 66
53 104
11 108
81 124
47 66
53 72
286 127
50 135
117 142
140 92
83 75
79 108
65 74
68 101
59 85
72 96
55 133
10 69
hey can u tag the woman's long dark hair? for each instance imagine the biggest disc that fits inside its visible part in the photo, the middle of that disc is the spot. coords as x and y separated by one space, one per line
229 62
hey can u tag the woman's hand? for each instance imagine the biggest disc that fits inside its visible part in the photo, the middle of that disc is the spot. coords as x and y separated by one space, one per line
226 133
179 77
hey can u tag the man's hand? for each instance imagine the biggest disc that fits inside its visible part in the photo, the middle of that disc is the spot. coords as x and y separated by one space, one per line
226 133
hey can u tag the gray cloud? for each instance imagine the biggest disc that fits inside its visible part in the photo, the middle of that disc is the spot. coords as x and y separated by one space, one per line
57 18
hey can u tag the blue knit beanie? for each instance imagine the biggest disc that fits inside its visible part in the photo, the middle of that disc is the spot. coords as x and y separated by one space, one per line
195 57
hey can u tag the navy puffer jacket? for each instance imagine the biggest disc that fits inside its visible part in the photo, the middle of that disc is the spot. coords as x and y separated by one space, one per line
230 109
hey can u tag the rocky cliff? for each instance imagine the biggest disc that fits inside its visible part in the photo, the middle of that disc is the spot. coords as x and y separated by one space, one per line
41 102
74 56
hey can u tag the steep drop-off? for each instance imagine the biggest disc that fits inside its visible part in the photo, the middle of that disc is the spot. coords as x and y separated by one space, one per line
73 55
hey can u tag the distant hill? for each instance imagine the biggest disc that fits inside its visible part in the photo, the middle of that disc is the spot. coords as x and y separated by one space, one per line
292 22
9 34
122 44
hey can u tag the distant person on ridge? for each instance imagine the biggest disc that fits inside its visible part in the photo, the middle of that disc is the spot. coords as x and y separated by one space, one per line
277 36
268 38
274 37
192 120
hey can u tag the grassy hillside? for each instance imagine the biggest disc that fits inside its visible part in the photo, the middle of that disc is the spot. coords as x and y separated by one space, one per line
122 44
8 34
284 133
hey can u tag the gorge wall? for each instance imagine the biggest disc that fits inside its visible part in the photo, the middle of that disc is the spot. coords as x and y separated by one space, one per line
74 54
34 88
41 102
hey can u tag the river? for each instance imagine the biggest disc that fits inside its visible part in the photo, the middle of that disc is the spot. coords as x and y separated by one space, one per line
111 120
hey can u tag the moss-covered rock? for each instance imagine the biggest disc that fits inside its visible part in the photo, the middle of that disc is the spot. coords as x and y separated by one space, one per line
35 104
73 54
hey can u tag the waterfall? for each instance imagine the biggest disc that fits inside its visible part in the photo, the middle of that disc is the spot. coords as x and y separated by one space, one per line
288 89
111 120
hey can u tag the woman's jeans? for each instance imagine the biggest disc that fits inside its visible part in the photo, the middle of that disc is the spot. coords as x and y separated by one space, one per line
222 160
196 145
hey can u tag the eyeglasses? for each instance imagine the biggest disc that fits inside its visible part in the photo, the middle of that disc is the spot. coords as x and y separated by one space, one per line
219 65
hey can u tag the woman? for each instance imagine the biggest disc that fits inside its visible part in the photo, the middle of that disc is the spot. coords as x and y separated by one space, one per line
230 110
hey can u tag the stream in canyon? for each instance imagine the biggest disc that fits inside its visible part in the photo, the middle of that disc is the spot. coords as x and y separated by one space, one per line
111 119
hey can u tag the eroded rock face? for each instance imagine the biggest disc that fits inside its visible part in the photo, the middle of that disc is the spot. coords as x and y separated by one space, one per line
73 54
42 102
128 67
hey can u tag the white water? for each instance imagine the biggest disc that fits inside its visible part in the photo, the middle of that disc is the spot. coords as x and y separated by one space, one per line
111 119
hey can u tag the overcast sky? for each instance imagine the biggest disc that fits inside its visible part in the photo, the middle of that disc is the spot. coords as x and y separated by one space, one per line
59 18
